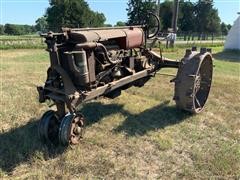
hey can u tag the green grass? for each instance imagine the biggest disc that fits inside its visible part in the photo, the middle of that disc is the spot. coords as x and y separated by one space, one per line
14 37
139 135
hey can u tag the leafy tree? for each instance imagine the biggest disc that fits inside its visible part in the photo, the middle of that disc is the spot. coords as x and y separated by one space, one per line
229 26
72 13
33 29
120 23
166 14
27 29
41 24
96 19
107 25
207 19
1 29
138 9
186 20
15 29
199 17
224 28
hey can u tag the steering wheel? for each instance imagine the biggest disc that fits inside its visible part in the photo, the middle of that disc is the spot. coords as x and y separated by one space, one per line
148 21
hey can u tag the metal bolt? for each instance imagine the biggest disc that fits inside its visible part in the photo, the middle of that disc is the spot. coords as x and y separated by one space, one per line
203 50
209 50
77 130
188 52
194 48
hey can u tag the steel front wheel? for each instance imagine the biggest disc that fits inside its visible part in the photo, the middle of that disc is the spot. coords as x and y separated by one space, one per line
48 127
193 82
71 129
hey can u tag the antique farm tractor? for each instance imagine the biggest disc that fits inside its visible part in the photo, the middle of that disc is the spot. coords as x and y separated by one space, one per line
91 62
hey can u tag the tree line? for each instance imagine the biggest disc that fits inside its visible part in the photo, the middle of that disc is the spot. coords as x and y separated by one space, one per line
198 16
16 29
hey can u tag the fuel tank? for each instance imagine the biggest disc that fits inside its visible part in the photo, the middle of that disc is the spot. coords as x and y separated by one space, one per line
125 38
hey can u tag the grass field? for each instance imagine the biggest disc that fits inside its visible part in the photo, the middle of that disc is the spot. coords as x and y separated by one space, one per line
21 42
139 135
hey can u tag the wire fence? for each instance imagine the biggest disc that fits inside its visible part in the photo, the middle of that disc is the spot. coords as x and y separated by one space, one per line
196 36
183 38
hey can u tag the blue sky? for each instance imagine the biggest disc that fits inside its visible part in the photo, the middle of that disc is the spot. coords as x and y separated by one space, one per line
27 11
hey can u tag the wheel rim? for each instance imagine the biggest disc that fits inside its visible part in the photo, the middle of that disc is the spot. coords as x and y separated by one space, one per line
193 82
202 84
71 129
76 132
41 124
53 130
48 127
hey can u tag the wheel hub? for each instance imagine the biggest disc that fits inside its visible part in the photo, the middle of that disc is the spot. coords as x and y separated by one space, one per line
76 130
71 129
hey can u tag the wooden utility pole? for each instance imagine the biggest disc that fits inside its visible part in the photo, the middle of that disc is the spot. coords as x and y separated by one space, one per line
158 8
175 15
174 23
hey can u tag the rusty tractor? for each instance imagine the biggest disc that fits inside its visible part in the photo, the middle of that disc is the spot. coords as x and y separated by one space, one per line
86 63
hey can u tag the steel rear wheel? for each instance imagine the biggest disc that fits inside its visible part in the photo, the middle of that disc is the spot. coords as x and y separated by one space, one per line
71 129
48 127
193 82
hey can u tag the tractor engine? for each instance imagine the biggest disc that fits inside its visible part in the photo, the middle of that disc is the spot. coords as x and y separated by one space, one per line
98 57
91 58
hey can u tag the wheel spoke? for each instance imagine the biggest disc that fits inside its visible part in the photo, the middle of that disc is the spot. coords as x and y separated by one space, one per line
199 105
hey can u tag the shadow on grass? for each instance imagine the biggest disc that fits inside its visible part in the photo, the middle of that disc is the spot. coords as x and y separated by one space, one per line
152 119
95 111
155 118
228 55
21 144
